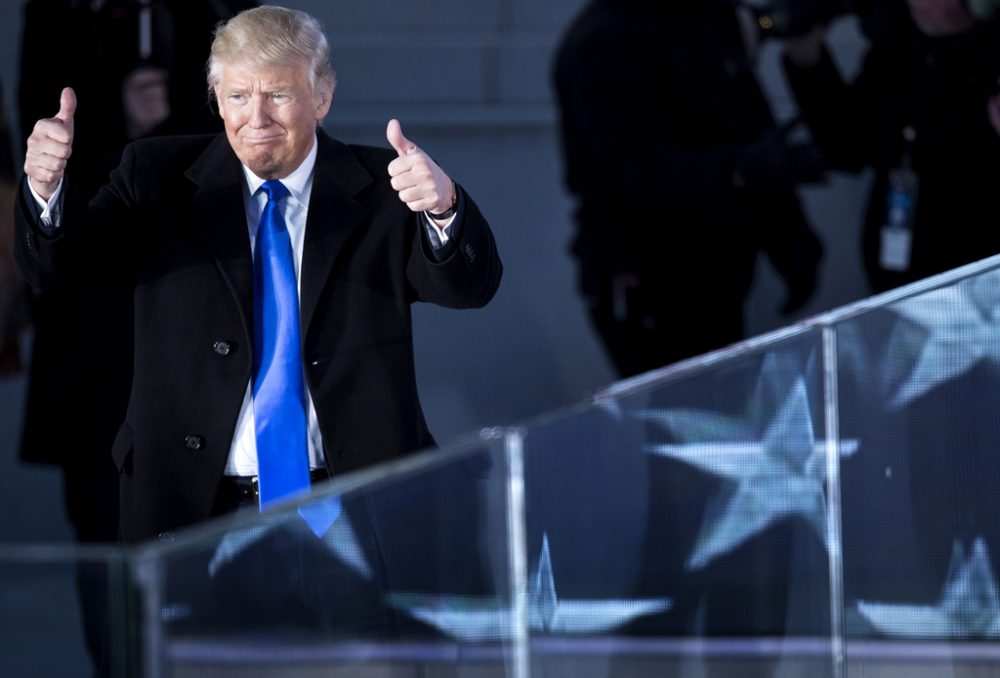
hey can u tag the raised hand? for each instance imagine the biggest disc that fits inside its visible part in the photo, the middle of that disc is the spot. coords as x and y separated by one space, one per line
418 180
49 147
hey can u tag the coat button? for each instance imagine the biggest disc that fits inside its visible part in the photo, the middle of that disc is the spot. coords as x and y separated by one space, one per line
165 536
193 442
222 347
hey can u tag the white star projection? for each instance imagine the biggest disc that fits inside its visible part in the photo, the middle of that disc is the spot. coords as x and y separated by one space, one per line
483 619
339 537
969 606
961 325
768 479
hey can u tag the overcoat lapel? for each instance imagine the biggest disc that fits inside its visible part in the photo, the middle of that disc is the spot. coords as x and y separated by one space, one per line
217 212
334 215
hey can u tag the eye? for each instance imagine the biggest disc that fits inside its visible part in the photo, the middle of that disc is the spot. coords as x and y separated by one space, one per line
237 97
279 97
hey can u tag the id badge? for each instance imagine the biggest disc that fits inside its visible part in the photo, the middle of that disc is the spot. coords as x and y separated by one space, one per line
895 252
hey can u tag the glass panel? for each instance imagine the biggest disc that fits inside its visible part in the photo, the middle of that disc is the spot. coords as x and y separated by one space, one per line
64 611
920 391
679 526
397 567
688 522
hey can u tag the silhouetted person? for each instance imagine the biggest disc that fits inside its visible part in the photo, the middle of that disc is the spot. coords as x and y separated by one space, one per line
917 116
680 176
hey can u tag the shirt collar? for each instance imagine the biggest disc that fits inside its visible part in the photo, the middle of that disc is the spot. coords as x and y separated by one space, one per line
298 182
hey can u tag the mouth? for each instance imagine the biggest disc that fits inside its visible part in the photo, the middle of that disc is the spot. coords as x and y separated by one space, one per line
262 139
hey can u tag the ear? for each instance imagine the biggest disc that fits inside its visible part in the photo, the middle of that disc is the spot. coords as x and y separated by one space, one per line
324 97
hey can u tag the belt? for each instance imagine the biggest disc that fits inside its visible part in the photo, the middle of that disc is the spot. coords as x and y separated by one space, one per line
246 488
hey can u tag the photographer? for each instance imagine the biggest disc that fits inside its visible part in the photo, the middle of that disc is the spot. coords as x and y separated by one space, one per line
917 115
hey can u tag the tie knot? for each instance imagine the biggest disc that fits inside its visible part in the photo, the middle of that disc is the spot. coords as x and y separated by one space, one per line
274 189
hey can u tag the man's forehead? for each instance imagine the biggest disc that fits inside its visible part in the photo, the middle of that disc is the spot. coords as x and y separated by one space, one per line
247 73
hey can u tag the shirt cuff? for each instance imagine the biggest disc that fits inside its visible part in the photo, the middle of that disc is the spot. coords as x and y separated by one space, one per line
442 239
439 235
50 215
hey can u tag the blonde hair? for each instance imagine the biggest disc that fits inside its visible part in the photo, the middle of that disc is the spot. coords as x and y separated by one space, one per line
271 36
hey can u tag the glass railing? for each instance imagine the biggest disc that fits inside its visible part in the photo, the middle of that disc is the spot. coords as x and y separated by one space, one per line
66 611
823 500
919 389
351 579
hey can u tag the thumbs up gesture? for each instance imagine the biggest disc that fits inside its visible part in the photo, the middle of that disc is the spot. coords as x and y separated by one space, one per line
418 180
49 147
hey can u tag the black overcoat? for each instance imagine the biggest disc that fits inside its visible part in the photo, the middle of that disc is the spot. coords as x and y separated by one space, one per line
171 225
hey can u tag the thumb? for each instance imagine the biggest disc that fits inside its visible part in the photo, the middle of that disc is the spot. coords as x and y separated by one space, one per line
394 133
67 107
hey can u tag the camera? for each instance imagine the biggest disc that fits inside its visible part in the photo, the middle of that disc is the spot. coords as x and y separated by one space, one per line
787 18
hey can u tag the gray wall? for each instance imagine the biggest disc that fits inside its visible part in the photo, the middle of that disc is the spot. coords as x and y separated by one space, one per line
470 83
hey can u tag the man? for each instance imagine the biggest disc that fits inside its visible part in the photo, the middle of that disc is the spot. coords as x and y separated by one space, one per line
184 222
680 174
682 178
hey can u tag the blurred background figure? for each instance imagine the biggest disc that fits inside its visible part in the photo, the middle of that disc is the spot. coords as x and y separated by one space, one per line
680 175
143 61
917 114
138 69
13 293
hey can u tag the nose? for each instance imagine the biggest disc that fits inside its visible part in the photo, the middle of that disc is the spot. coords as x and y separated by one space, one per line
259 116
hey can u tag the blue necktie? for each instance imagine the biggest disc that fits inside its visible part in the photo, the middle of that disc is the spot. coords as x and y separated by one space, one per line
279 400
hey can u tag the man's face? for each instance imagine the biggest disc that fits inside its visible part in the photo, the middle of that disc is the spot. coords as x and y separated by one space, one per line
270 115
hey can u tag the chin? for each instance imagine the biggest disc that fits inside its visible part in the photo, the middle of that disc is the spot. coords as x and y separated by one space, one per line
265 168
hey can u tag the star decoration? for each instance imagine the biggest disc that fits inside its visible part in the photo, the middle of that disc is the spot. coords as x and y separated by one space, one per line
777 476
479 619
962 326
969 606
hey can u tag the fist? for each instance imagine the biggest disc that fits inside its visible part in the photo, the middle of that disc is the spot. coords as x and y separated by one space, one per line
418 180
49 147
